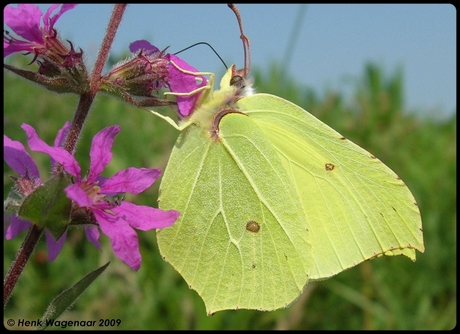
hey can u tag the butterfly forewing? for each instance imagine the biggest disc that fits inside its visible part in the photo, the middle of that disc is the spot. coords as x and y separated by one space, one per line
355 206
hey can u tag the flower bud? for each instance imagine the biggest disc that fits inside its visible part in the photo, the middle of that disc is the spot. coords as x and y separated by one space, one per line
136 79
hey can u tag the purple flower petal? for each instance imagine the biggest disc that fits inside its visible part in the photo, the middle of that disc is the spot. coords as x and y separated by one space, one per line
100 154
145 218
17 46
78 195
59 154
54 247
17 226
49 23
24 21
181 82
123 238
60 137
46 18
142 44
92 234
19 159
131 180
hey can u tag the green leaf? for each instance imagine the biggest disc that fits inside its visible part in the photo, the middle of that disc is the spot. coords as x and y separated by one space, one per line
48 206
62 302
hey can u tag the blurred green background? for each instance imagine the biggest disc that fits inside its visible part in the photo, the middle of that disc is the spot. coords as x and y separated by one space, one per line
385 293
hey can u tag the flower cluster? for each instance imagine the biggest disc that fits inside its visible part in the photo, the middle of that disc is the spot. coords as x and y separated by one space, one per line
68 198
136 79
91 207
90 201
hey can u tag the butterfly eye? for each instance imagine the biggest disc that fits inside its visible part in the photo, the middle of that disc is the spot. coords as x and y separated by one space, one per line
237 81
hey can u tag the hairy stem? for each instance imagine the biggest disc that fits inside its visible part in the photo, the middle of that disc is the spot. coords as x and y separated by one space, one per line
22 256
103 54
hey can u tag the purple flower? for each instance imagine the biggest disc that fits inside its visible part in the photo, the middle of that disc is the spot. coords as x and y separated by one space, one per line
137 78
178 80
116 219
40 40
61 69
22 163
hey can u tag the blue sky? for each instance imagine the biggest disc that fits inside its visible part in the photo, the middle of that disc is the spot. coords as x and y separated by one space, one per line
333 42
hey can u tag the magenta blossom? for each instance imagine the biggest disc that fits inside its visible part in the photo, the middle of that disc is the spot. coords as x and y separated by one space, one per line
116 219
178 80
22 163
139 78
40 40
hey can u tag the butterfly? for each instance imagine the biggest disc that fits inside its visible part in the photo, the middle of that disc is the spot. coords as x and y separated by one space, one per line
271 198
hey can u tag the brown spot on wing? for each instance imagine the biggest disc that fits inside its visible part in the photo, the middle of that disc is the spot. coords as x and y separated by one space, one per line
252 226
329 166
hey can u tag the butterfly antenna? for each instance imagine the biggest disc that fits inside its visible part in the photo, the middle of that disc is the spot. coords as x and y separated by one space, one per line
204 43
246 44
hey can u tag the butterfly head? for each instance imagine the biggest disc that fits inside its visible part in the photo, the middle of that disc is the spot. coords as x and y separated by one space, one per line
241 82
237 82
